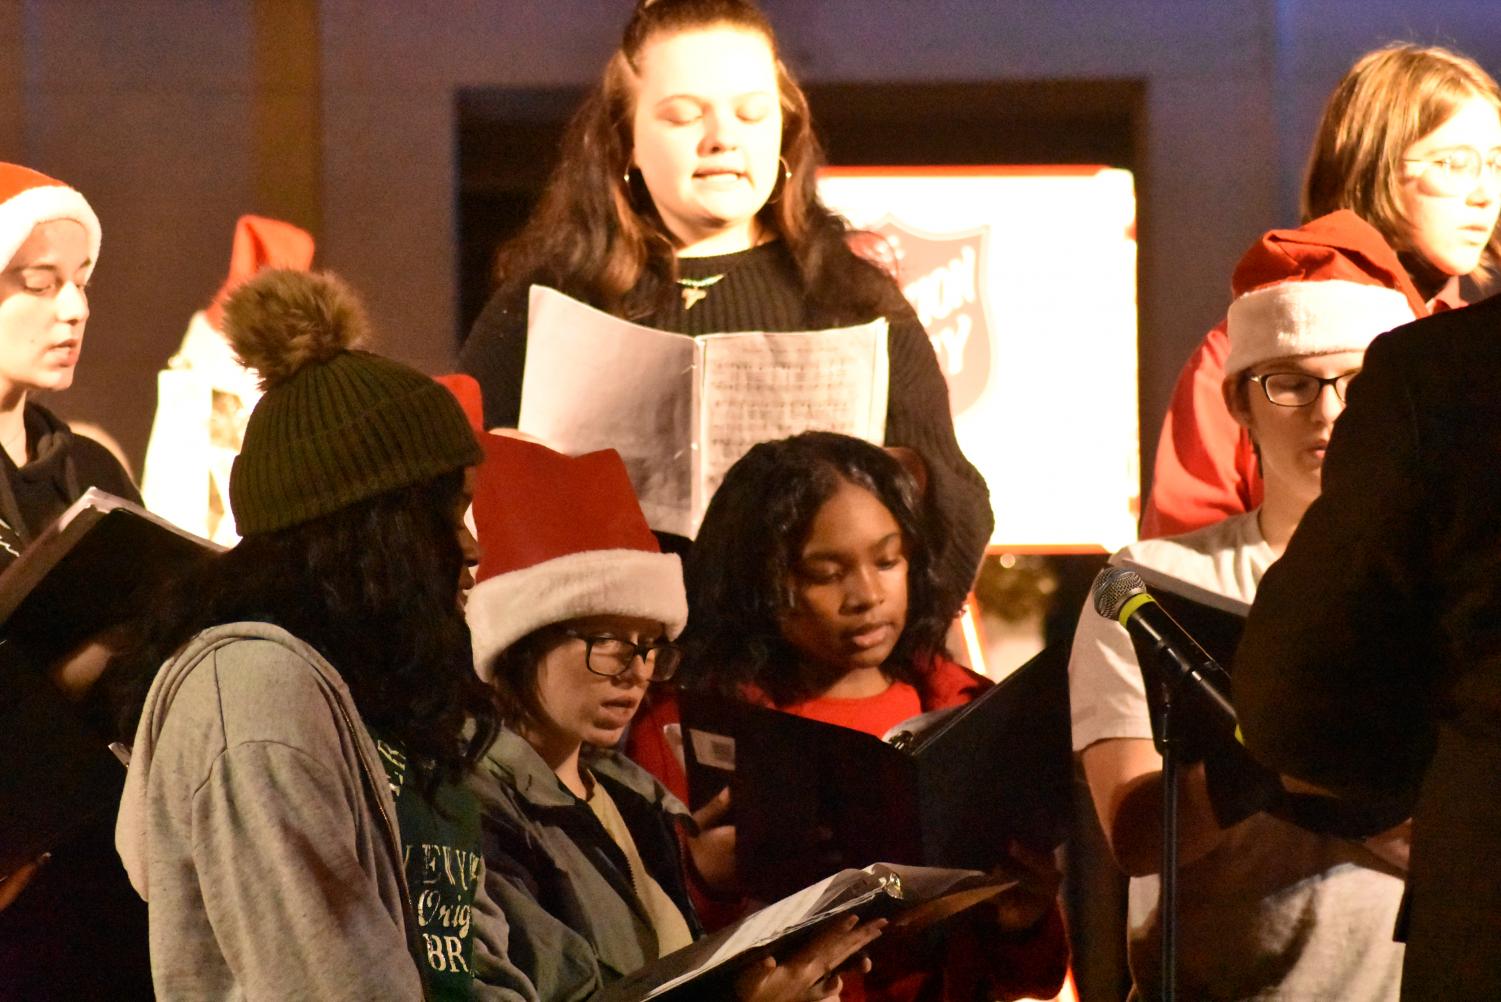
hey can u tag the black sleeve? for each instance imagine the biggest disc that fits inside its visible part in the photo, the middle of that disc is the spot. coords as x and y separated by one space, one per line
918 417
495 355
1334 674
97 467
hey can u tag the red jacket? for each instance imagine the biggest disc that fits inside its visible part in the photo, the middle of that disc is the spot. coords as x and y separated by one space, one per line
1206 467
978 959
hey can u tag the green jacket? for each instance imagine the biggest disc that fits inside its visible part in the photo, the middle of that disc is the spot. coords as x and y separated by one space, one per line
563 884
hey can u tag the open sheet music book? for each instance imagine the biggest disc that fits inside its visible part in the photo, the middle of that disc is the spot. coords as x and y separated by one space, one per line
915 895
681 410
87 572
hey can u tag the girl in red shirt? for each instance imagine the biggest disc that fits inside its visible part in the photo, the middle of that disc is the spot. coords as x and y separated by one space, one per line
810 589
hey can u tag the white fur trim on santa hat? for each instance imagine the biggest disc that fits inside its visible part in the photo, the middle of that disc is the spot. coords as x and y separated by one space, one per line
1310 318
504 608
21 213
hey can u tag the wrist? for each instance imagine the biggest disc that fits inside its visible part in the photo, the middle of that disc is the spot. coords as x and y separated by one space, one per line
696 879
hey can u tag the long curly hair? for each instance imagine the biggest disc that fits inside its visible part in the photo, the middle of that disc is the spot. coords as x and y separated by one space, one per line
374 588
739 573
596 235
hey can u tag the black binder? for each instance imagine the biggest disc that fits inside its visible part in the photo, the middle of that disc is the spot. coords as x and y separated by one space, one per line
810 798
87 572
1214 622
1238 785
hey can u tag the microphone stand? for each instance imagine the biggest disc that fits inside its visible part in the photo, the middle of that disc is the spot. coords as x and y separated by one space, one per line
1157 643
1175 670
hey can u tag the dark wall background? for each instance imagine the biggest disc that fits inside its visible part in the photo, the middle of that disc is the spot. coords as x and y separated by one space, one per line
175 116
508 141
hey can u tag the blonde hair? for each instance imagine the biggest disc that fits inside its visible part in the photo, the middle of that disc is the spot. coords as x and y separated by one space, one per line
1389 99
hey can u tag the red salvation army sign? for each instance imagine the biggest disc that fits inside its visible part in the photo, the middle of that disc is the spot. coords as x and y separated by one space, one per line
1042 378
942 276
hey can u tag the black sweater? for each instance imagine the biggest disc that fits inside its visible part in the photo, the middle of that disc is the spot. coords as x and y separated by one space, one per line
762 291
78 931
63 466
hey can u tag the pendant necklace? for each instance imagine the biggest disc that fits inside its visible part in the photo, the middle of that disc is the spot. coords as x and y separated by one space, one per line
696 289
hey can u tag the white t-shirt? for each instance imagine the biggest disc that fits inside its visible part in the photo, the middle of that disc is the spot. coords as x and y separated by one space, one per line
1272 912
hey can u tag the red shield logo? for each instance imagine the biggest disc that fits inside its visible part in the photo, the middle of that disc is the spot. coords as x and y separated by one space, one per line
943 276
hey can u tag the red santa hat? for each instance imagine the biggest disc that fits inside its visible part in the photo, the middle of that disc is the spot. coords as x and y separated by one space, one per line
465 389
259 243
1333 284
562 537
29 198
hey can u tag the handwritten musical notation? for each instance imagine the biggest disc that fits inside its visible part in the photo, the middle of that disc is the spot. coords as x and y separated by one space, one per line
758 387
681 410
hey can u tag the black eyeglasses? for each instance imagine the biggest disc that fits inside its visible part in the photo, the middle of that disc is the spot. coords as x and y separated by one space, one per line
1299 389
613 656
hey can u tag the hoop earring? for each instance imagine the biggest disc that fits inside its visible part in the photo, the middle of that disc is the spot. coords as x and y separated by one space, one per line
780 187
628 187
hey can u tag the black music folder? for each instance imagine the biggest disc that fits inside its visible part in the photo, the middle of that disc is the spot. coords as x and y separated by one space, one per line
947 789
87 572
1215 621
1239 786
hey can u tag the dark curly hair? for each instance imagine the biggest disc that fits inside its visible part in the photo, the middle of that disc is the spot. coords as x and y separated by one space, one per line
373 587
597 237
739 571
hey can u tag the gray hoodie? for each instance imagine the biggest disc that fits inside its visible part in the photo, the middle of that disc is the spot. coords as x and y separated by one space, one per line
257 823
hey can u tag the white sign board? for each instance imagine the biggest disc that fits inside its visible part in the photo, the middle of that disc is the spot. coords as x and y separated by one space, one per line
1025 279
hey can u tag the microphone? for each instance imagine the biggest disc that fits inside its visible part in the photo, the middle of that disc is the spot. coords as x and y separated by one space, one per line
1238 785
1120 594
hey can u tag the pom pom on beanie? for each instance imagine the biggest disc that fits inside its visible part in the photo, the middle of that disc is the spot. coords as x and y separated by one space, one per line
288 319
336 425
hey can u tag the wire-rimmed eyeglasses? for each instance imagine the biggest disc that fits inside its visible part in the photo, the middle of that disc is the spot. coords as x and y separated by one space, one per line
1458 169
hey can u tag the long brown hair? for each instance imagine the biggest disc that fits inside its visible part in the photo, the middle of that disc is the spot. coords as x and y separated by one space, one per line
1389 99
596 235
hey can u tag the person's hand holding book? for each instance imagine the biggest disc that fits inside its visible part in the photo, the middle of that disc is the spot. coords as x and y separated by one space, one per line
712 850
1037 878
13 883
812 974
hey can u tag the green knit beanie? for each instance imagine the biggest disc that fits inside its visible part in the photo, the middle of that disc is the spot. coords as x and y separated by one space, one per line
336 425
